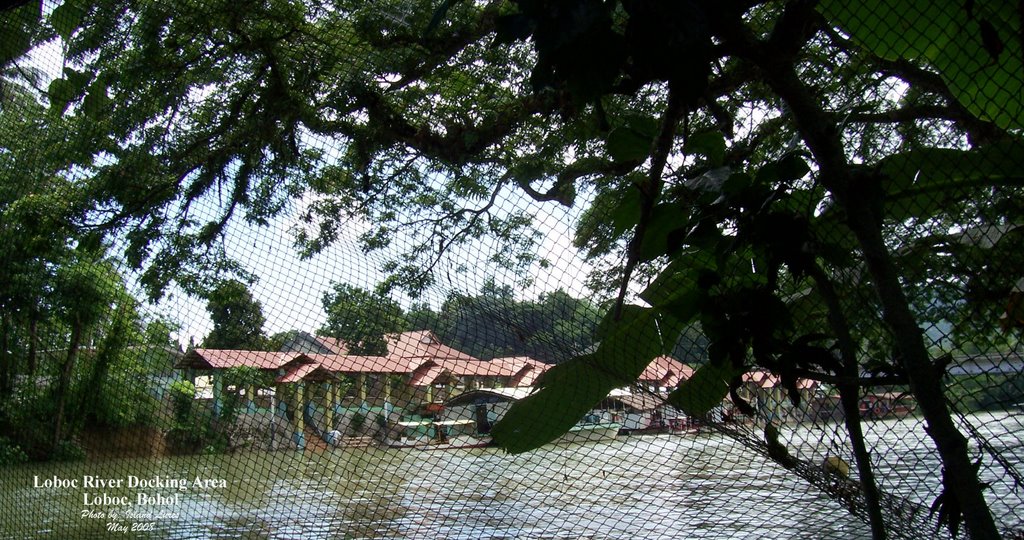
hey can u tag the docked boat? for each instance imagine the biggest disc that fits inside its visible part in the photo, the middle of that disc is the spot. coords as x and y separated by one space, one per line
439 435
646 414
484 407
680 425
591 431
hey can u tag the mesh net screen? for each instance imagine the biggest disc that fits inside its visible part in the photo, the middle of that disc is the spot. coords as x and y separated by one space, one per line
511 269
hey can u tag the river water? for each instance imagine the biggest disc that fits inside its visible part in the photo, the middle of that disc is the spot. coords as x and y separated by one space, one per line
666 486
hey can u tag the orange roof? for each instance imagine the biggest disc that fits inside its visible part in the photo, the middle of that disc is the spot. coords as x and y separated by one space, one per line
666 371
351 363
426 374
522 369
422 344
766 379
227 358
419 354
760 378
806 384
299 372
414 344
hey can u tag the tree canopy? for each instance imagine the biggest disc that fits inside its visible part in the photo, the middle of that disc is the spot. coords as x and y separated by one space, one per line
361 318
237 318
491 324
759 168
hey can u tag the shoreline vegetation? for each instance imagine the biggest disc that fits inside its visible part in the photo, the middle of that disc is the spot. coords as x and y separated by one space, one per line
101 443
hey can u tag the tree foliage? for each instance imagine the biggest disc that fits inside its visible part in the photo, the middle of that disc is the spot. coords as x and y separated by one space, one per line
486 325
237 318
62 291
361 318
492 323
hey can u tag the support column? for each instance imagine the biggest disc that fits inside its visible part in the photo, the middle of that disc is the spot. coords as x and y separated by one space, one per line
300 413
218 393
329 418
336 398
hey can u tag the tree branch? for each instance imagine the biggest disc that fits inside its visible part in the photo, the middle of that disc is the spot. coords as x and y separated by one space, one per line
859 195
978 130
650 190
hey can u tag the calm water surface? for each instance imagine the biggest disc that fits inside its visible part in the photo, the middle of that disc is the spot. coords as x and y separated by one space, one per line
702 486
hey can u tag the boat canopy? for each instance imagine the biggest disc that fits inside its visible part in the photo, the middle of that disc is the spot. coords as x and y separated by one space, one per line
489 395
419 423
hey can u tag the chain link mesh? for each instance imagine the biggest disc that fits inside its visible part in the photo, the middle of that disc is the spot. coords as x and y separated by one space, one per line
276 270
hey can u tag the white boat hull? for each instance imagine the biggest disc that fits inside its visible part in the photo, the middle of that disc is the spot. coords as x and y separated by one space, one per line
590 433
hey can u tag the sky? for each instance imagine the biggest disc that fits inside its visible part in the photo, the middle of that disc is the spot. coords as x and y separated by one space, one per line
290 289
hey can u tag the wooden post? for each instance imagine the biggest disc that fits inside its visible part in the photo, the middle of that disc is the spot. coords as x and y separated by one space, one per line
336 398
329 418
218 391
300 412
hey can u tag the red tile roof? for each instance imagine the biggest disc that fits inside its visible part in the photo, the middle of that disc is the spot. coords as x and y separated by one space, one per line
426 374
415 344
523 370
422 344
666 371
762 379
299 372
351 363
227 358
419 354
766 379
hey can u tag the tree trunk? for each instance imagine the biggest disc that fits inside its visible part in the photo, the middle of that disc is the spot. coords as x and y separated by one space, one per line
64 384
33 331
6 359
925 378
849 394
861 198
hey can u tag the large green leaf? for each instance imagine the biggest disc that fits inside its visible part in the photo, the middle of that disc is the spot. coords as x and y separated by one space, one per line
665 232
62 92
67 17
787 169
975 46
96 102
633 139
703 391
922 182
626 213
710 144
568 391
678 285
627 144
628 342
16 27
